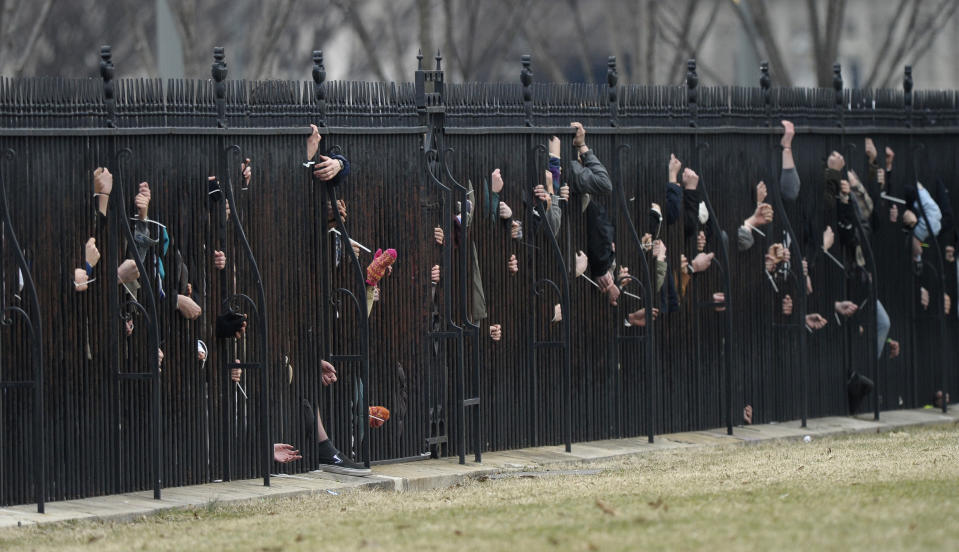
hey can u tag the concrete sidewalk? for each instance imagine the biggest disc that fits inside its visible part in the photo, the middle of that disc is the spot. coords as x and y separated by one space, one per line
430 474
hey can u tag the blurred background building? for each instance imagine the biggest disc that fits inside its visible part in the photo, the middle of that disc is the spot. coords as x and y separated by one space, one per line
483 39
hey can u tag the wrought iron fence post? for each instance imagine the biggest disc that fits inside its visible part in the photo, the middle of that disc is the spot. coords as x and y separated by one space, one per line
106 73
325 258
33 319
907 106
430 104
647 339
796 274
232 299
612 100
837 85
120 230
871 334
937 300
537 158
526 77
692 100
319 90
219 72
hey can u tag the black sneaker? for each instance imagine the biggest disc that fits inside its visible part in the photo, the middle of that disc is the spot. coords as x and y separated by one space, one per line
341 465
333 461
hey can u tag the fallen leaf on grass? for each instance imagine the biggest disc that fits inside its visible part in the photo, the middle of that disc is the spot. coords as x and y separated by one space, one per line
606 508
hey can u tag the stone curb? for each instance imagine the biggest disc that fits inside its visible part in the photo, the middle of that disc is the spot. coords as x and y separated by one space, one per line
446 472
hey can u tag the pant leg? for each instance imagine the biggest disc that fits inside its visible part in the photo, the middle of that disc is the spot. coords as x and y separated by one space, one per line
882 327
478 303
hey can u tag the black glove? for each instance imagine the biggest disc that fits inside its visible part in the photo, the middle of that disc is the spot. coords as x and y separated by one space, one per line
229 324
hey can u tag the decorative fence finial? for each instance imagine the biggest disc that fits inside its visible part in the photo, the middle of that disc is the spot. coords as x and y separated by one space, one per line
907 94
106 72
837 86
692 81
837 82
429 91
907 86
319 91
612 77
765 81
219 88
526 77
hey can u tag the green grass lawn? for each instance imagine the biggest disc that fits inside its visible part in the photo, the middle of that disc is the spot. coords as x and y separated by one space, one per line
889 491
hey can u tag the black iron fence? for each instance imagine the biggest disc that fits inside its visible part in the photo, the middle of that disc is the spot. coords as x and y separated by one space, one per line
88 407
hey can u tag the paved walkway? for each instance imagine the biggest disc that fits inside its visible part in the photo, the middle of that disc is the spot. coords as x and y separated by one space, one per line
430 474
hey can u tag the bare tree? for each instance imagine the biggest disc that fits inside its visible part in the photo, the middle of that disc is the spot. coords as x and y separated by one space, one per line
909 37
685 42
910 33
265 37
757 25
479 37
20 23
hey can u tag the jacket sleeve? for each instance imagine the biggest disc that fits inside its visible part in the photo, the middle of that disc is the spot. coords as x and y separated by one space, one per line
660 274
691 201
590 176
554 215
864 200
744 238
340 177
674 198
831 189
790 184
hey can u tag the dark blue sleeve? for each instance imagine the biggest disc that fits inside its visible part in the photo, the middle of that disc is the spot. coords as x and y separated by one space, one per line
674 198
341 176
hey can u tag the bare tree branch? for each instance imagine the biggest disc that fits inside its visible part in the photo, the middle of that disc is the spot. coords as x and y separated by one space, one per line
541 53
495 39
580 41
32 39
687 25
652 31
814 30
425 20
834 22
760 20
616 41
352 15
896 58
680 44
874 72
142 41
264 48
942 16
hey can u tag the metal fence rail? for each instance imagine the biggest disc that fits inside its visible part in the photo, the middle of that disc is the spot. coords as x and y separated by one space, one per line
111 418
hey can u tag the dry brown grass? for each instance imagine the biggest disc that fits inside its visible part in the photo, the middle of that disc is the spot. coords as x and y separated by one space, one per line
892 491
